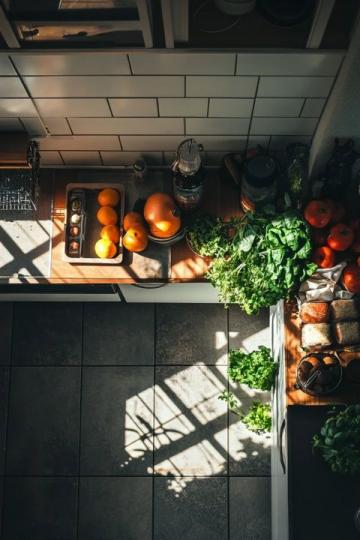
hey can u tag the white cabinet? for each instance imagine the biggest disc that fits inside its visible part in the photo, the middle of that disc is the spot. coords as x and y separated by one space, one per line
194 293
279 473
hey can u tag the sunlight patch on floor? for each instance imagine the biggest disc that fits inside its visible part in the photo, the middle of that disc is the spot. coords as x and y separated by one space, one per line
201 459
198 388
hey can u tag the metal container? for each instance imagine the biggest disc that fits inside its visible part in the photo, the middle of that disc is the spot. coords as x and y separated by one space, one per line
188 175
259 182
309 380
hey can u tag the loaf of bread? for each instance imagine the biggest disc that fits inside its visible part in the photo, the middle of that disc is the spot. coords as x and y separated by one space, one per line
316 335
347 333
314 312
342 310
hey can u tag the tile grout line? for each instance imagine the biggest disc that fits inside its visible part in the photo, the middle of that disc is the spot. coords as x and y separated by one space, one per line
7 417
80 413
153 452
252 114
302 108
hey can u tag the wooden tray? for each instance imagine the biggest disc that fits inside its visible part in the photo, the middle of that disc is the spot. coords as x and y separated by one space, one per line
92 227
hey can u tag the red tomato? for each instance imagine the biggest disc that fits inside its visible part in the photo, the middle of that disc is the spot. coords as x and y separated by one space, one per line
351 278
340 237
338 212
319 237
318 213
323 256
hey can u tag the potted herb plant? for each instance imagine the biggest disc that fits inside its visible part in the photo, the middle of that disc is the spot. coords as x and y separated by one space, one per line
339 441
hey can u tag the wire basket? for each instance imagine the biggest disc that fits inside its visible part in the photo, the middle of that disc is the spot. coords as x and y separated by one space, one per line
19 187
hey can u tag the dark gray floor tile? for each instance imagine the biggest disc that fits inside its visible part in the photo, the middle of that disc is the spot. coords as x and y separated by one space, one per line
119 334
190 421
44 421
190 508
250 508
6 319
249 452
47 334
117 421
115 508
248 331
40 509
4 394
191 333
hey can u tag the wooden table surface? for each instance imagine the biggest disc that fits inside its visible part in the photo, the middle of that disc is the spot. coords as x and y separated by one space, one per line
221 199
347 393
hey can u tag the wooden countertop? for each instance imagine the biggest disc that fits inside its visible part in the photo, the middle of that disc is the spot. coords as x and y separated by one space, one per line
220 199
347 393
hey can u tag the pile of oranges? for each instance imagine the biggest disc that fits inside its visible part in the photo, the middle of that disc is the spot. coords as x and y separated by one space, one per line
105 247
136 236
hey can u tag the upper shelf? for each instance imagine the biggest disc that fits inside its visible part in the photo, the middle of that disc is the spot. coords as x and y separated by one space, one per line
200 24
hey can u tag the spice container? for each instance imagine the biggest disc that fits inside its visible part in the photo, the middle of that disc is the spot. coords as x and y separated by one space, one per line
75 229
259 182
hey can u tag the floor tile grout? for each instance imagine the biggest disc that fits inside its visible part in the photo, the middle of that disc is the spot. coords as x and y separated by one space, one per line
80 418
227 476
7 416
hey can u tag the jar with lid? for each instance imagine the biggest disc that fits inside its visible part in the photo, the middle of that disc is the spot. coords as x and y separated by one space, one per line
259 182
188 175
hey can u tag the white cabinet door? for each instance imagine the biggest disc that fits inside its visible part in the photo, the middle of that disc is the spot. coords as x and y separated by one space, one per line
194 293
279 477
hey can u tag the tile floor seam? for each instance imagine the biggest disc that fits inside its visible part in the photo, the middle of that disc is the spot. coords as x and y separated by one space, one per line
80 413
7 417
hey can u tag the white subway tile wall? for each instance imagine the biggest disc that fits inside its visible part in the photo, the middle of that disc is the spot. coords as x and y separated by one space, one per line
79 107
81 158
130 107
111 108
313 107
183 107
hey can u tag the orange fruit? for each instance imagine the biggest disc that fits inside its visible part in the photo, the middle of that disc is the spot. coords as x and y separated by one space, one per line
108 197
110 232
107 215
105 249
133 219
136 239
165 229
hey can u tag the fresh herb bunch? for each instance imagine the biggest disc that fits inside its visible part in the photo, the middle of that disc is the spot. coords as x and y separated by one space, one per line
256 369
233 404
258 418
269 258
339 441
211 237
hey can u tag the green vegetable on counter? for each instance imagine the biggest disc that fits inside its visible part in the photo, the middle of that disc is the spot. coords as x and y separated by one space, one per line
256 369
209 236
339 441
269 258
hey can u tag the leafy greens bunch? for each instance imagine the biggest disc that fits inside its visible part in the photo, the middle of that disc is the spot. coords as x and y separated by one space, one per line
269 257
258 418
210 236
256 369
339 441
